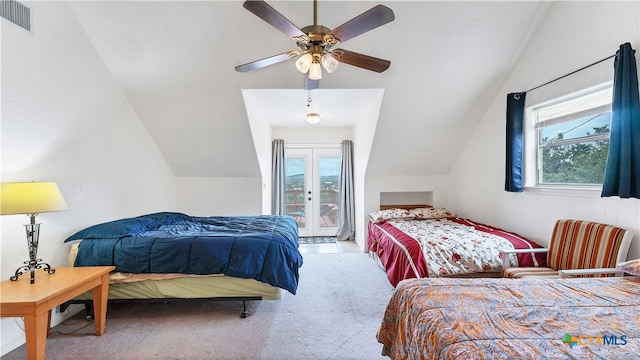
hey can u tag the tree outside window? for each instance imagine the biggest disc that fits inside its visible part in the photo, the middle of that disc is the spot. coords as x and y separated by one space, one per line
573 139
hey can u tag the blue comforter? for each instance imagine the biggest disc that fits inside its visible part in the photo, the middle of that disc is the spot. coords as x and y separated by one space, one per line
264 247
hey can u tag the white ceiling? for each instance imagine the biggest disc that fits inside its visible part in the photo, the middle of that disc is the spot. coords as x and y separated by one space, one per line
175 62
288 107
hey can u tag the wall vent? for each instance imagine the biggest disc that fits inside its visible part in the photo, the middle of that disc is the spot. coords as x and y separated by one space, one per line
16 12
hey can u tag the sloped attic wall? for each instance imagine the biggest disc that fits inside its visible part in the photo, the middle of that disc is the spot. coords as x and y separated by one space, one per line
64 119
572 35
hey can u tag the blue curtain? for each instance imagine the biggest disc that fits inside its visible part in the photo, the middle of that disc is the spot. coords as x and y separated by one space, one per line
622 173
514 157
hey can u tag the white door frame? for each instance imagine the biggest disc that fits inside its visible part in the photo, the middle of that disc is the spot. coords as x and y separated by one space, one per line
312 225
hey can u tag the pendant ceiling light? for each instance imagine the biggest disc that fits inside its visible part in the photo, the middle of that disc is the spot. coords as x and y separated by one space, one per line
312 117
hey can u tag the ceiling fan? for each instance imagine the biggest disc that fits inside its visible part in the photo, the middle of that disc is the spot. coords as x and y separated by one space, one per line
316 42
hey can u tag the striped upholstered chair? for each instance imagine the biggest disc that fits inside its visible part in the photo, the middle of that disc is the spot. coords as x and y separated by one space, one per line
576 244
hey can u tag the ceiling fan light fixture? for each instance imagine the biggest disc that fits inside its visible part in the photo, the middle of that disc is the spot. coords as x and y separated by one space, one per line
330 63
304 63
313 118
315 71
316 41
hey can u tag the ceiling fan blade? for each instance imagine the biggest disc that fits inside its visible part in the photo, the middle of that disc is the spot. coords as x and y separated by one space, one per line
363 61
310 84
264 11
268 61
368 20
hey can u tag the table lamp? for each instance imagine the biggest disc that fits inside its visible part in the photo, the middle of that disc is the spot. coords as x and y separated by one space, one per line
31 198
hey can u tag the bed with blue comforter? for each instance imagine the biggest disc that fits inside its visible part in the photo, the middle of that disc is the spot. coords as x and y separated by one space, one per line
263 247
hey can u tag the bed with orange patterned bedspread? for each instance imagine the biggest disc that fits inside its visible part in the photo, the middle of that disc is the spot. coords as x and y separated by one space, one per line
575 318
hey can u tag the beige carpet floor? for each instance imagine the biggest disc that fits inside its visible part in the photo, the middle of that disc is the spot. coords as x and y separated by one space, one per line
335 315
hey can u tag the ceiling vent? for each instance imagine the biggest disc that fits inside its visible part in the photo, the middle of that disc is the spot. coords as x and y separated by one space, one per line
16 12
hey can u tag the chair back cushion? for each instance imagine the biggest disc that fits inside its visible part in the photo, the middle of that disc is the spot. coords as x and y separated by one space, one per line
578 244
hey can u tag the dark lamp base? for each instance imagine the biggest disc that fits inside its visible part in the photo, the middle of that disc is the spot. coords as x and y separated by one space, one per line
31 268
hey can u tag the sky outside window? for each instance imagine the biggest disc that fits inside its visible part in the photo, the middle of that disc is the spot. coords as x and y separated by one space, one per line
576 128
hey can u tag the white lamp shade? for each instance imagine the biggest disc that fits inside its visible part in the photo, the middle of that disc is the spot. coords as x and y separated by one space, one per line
31 198
304 63
330 63
315 71
313 118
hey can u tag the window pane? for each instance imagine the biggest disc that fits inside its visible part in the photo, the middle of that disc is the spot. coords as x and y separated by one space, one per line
329 186
329 179
571 137
294 188
582 163
586 126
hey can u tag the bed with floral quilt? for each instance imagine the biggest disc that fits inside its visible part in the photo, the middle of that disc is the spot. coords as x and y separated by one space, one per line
434 242
488 318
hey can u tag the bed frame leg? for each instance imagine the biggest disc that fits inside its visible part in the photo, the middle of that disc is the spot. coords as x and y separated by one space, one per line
89 308
244 312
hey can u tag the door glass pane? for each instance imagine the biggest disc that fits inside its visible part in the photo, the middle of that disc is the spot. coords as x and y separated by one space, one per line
329 181
294 188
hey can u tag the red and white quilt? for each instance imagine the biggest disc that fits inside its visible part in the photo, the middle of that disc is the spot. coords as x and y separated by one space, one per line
445 247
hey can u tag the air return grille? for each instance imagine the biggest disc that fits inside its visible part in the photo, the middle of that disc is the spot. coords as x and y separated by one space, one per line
16 12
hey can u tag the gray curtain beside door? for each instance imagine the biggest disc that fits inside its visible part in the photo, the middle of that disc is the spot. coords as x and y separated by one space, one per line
346 201
278 199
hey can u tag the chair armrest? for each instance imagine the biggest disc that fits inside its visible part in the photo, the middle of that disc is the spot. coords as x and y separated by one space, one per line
524 251
506 253
576 272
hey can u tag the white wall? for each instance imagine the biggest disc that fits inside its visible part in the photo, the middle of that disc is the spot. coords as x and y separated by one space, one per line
313 135
262 139
435 184
364 132
572 35
206 196
64 119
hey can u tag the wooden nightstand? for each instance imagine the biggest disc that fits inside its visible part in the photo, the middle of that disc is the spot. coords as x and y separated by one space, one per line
34 302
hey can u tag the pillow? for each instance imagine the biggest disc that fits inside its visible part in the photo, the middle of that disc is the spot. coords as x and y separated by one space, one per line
432 213
114 229
388 214
631 267
165 218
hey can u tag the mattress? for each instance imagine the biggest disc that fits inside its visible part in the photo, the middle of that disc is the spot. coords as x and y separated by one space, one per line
159 286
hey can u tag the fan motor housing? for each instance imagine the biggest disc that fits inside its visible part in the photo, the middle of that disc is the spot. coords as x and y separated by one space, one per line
316 33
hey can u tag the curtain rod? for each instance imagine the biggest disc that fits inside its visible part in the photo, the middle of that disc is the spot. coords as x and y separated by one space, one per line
571 73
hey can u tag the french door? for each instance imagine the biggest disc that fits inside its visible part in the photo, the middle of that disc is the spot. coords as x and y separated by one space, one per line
312 178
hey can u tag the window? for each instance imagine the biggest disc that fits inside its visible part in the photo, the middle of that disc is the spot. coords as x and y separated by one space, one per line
572 139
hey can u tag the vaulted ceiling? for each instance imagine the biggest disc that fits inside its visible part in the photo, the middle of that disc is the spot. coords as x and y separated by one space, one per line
175 62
